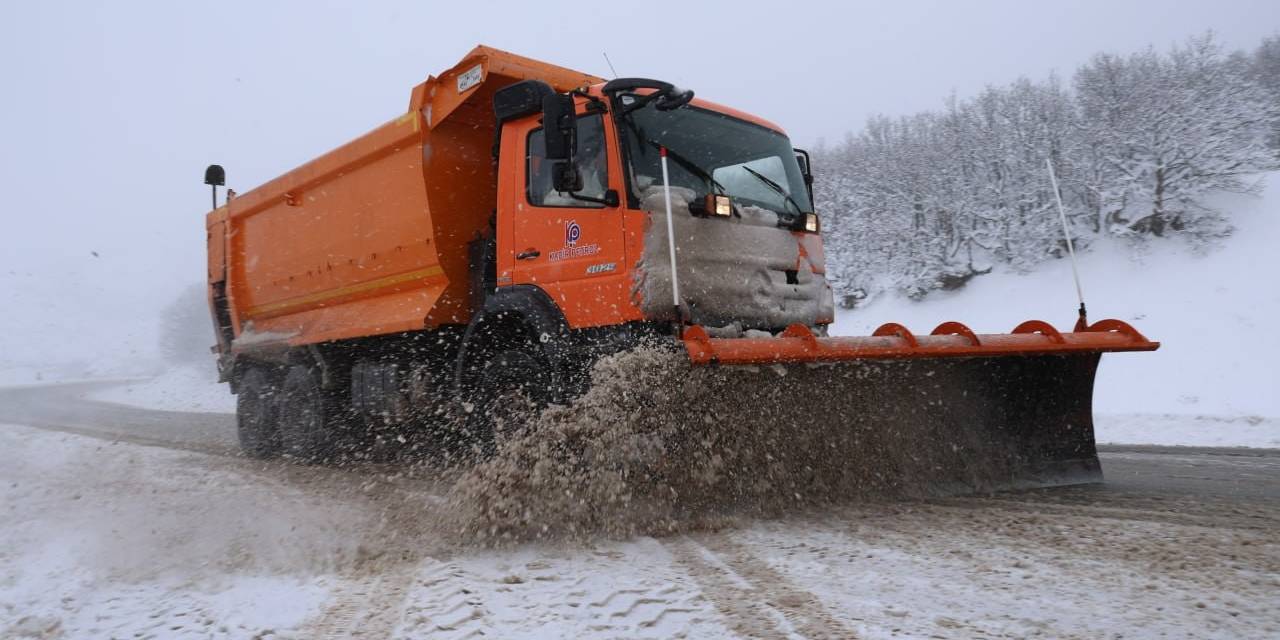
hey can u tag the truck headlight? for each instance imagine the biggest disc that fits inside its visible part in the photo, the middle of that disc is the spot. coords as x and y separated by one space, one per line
721 206
811 222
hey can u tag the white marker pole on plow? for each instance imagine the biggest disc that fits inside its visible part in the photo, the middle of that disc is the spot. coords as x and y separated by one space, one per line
671 238
1083 321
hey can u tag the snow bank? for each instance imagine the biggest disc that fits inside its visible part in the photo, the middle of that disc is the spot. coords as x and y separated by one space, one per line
1213 314
115 540
192 388
30 375
1184 431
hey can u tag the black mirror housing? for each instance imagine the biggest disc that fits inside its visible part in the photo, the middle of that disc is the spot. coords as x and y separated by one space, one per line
806 170
565 177
559 125
802 158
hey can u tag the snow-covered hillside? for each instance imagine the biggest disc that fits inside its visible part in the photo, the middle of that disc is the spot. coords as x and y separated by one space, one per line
190 387
1211 312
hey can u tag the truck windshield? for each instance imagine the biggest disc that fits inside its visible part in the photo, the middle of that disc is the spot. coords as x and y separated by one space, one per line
714 153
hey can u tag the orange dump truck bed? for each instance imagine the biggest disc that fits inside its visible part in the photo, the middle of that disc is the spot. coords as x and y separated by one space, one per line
371 238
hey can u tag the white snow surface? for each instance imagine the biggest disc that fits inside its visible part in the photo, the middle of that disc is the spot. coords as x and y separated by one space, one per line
1212 312
1187 430
170 544
152 543
183 388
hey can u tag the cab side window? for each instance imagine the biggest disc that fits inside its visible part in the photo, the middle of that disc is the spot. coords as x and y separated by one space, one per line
591 162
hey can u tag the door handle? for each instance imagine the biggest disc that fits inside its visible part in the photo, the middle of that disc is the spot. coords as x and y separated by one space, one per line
528 254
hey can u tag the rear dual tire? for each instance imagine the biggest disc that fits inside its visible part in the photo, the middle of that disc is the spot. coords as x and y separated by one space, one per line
256 415
310 421
292 417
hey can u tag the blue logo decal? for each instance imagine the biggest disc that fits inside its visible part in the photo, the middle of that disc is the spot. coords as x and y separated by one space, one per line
571 233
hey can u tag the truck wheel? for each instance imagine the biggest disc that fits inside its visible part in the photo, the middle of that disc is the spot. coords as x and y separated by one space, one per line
256 415
515 385
308 421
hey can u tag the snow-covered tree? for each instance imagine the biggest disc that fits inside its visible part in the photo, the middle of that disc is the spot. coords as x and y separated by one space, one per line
928 201
1264 70
1165 130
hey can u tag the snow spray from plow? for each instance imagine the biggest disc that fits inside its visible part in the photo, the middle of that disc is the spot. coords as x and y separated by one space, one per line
659 443
663 439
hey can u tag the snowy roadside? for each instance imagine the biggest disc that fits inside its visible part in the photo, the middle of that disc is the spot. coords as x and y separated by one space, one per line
192 388
162 543
1188 431
153 542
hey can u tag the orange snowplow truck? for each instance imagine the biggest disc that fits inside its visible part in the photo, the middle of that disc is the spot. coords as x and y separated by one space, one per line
520 220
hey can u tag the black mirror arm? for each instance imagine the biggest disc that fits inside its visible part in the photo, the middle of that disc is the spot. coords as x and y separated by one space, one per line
610 198
640 103
594 104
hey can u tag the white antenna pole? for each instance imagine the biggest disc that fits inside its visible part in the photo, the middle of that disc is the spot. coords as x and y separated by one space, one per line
671 238
610 63
1066 232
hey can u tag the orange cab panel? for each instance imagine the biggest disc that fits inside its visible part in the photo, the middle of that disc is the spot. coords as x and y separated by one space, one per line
575 250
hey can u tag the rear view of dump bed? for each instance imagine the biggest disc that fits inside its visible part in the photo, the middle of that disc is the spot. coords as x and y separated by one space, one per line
371 238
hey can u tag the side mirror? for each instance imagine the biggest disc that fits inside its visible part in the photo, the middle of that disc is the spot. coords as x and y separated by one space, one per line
806 170
802 158
559 127
565 177
560 131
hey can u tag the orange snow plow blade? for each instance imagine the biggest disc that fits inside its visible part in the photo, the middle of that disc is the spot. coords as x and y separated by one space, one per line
997 410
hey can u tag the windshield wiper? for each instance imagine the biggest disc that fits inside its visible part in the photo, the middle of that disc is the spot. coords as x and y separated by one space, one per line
679 158
688 165
777 188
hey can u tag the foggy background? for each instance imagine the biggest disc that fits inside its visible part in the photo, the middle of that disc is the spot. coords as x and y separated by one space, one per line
111 112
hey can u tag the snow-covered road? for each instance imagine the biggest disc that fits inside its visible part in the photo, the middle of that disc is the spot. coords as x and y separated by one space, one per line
119 522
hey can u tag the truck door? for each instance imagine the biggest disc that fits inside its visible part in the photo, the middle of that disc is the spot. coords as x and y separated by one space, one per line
573 249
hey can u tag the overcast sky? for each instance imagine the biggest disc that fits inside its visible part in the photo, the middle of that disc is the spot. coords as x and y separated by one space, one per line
111 112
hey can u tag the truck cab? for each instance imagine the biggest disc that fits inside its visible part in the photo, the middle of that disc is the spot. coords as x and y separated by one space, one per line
582 210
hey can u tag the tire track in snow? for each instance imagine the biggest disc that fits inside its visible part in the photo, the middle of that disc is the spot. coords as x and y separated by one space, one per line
536 593
643 611
445 603
365 606
757 601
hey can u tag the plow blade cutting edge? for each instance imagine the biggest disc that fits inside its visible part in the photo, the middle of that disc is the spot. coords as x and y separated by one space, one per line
996 410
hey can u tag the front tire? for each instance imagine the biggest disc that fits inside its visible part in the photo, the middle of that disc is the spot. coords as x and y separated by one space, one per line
514 385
